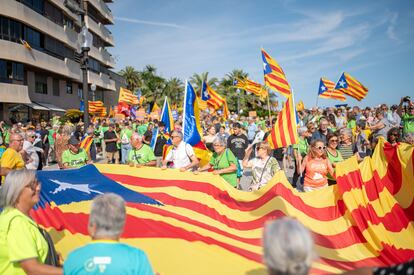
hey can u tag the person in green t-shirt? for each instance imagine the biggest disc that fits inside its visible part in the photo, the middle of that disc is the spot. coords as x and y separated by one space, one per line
74 157
223 162
140 154
142 128
333 154
407 119
300 150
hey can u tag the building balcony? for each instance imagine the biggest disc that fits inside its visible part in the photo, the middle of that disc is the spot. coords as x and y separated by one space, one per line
14 93
100 30
101 80
17 52
76 18
103 9
28 16
103 56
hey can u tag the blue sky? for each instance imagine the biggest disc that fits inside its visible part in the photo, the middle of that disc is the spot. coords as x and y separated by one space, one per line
371 40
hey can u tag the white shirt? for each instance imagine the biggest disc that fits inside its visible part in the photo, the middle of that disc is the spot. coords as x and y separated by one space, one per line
180 155
31 152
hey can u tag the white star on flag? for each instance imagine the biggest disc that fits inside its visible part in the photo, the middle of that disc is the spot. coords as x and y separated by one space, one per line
323 88
264 66
342 83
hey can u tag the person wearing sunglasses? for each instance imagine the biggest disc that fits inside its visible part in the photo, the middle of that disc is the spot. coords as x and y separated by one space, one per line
24 248
333 154
393 136
182 155
317 167
12 159
30 154
264 166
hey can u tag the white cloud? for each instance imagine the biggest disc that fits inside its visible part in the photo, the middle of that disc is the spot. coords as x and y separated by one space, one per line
152 23
391 27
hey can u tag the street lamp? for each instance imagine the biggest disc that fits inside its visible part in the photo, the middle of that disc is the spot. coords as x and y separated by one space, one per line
85 39
93 89
238 101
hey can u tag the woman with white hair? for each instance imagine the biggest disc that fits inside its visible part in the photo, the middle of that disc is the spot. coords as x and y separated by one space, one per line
287 247
346 147
140 154
223 162
106 254
24 248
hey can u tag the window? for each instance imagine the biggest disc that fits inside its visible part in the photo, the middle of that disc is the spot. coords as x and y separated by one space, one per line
55 47
32 37
53 13
5 28
69 88
18 71
36 5
3 71
40 84
56 88
94 65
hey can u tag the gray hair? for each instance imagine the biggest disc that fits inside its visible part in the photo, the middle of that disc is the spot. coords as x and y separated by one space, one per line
220 141
136 136
302 130
180 134
108 213
13 186
288 247
346 131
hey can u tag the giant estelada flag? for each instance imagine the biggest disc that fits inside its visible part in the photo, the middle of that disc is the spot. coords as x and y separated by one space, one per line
199 224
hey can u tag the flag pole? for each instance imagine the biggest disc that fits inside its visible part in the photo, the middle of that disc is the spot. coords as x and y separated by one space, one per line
317 100
268 107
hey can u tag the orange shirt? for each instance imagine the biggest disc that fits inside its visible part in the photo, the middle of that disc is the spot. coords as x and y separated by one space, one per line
316 173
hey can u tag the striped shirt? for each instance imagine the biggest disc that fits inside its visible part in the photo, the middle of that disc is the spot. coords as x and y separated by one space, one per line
347 151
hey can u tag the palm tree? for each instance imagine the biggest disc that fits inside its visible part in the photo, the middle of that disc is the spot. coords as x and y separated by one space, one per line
174 89
197 79
233 97
132 77
152 84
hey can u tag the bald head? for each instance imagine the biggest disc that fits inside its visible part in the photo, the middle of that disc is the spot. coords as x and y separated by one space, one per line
16 142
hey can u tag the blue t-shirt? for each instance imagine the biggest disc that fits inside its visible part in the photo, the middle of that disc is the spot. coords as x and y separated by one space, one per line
106 257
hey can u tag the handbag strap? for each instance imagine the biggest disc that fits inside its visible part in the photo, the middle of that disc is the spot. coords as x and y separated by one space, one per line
264 168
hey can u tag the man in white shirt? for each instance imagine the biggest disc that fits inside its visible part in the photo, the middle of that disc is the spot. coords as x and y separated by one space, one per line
30 152
182 154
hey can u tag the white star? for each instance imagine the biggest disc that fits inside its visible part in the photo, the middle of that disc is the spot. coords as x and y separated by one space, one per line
78 187
342 83
264 66
205 94
323 88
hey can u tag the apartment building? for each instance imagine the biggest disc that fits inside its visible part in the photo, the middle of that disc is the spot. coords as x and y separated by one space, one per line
40 72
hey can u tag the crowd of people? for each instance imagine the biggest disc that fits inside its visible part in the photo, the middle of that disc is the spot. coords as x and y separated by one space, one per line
326 137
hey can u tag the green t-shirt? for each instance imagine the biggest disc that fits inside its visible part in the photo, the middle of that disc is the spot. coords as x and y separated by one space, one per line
125 135
75 160
142 129
6 137
141 156
223 161
408 123
302 146
50 137
334 159
351 124
20 239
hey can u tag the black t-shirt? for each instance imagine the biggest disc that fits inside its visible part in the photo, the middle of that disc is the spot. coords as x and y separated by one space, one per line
238 145
161 141
111 145
148 136
44 133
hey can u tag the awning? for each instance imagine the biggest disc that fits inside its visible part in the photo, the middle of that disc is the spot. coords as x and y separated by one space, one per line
14 93
51 107
35 106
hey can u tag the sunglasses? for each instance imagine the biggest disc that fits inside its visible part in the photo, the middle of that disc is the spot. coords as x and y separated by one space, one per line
333 140
321 147
174 136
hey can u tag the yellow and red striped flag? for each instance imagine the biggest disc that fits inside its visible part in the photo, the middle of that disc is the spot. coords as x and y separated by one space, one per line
127 97
212 97
284 132
251 87
274 76
352 87
366 220
327 90
225 110
97 108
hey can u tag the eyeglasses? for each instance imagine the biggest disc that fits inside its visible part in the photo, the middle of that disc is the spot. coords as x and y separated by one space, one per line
321 147
333 140
18 140
217 145
258 148
174 136
394 134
